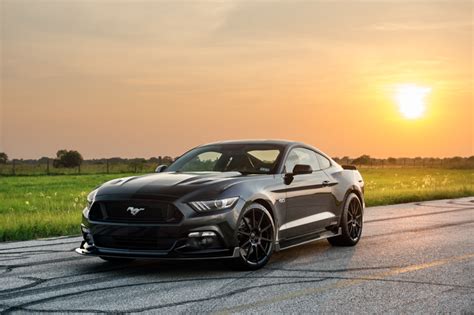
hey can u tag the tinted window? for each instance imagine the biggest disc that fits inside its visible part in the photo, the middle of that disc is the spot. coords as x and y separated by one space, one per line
264 159
202 162
251 159
323 162
301 156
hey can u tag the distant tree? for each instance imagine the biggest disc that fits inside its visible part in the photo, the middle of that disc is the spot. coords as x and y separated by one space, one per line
432 161
116 160
3 158
456 159
68 159
137 164
167 160
392 161
153 160
417 160
362 160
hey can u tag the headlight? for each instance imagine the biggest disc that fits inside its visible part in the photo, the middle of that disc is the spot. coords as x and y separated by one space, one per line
91 198
211 205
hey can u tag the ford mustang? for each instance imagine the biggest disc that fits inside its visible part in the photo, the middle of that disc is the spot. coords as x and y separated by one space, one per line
239 200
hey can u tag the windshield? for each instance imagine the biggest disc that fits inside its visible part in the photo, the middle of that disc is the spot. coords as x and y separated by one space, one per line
246 159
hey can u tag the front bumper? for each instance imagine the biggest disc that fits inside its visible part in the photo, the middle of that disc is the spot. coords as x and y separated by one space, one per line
88 250
196 236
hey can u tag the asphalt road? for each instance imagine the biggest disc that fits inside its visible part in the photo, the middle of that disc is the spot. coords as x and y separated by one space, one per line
416 257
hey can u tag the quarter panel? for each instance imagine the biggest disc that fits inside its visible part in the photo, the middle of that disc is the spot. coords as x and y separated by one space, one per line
347 180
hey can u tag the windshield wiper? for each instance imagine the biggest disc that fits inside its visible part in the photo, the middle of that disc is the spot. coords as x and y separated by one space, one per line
252 173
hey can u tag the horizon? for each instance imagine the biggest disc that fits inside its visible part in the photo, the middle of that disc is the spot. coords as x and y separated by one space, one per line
341 157
125 79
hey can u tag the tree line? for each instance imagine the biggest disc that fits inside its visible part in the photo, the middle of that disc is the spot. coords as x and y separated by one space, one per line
72 159
367 160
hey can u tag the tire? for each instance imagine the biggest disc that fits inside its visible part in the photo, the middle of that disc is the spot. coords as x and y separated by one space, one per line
255 235
351 223
116 260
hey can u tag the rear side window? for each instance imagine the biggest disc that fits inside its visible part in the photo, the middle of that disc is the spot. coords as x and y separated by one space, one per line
323 162
301 156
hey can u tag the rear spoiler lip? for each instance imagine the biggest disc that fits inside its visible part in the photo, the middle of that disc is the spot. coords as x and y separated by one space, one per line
349 167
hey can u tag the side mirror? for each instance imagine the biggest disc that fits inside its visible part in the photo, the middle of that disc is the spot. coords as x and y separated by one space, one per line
160 168
300 169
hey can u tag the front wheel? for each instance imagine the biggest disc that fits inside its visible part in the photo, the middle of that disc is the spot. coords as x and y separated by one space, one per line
351 223
255 236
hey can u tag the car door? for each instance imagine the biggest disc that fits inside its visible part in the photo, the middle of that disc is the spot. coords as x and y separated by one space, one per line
307 197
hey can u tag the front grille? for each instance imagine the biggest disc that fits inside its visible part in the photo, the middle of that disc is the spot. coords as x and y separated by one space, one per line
133 243
135 211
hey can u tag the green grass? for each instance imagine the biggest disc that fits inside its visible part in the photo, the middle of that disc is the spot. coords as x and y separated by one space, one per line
43 206
384 186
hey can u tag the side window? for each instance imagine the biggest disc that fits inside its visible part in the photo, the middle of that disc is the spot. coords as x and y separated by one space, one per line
301 156
323 162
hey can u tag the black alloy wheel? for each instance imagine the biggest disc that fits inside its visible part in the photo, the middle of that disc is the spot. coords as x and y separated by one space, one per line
351 223
354 219
255 236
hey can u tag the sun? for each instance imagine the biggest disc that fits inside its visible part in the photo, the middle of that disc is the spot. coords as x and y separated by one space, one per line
411 100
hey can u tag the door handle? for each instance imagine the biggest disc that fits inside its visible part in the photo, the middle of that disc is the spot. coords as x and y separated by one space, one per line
325 183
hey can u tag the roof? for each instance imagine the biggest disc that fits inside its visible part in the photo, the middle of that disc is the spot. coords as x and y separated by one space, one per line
255 141
277 142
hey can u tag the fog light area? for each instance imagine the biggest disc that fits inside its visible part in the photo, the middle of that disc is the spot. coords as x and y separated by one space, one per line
202 240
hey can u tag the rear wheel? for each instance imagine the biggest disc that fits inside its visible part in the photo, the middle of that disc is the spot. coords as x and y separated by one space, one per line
116 259
351 223
256 237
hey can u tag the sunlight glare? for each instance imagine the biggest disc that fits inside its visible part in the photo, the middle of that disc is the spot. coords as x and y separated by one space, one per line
411 100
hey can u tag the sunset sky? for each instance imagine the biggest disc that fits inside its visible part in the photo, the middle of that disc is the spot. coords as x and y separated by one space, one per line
141 79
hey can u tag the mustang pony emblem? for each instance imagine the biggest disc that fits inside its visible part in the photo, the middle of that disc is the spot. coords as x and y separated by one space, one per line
134 211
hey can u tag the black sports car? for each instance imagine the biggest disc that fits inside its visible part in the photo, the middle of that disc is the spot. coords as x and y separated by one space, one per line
236 199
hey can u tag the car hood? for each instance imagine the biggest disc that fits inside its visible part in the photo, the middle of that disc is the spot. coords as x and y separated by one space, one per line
172 185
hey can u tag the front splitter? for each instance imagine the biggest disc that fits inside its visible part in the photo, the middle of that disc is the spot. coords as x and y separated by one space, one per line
87 250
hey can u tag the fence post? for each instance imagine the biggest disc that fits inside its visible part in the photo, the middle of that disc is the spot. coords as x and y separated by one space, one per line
79 169
13 167
107 165
47 166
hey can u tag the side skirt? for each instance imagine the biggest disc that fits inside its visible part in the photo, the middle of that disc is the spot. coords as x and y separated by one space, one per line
306 239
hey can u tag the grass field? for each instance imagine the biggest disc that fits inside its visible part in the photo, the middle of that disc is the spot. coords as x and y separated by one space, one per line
43 206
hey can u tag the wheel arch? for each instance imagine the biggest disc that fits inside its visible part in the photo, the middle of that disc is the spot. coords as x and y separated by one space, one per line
357 191
359 195
351 190
268 206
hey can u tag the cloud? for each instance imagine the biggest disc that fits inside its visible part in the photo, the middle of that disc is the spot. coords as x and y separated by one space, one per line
338 20
109 20
422 26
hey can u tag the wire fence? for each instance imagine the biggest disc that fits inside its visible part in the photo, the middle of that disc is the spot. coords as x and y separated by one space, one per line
117 166
22 168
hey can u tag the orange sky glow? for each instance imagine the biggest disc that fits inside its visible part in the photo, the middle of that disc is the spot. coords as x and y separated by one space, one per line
148 78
